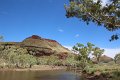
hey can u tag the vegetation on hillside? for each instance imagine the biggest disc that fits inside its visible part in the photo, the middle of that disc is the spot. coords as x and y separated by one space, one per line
16 57
34 51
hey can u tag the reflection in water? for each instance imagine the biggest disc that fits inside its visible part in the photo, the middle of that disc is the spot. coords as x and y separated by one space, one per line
38 75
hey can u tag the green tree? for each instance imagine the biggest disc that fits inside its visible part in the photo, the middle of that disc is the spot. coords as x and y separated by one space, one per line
117 58
83 53
91 11
97 53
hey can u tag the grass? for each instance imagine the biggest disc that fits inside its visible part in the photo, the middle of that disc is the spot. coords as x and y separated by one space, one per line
106 67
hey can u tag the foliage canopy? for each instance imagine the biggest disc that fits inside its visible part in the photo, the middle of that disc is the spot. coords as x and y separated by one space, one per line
84 52
91 11
117 58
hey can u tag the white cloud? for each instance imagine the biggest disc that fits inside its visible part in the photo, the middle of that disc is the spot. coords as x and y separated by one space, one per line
60 30
109 52
69 47
77 35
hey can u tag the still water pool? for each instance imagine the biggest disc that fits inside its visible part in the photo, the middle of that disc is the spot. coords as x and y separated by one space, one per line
38 75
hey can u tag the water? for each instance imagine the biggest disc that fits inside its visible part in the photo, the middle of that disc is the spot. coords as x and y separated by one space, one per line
38 75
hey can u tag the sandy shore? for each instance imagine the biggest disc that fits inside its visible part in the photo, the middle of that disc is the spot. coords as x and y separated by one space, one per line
36 68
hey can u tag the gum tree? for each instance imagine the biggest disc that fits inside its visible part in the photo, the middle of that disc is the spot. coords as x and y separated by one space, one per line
117 58
91 11
83 52
97 53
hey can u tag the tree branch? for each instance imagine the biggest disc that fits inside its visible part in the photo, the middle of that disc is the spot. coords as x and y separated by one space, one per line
117 25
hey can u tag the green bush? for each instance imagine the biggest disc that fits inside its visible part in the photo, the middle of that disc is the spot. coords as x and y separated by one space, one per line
42 60
17 56
70 61
14 56
49 60
54 60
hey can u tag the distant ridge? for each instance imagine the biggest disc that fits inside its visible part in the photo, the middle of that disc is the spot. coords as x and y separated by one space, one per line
39 46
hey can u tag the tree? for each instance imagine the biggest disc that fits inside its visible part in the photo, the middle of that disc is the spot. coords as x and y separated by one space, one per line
83 53
90 11
97 52
117 58
1 38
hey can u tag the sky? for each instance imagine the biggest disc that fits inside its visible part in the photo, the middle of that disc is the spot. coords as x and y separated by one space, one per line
20 19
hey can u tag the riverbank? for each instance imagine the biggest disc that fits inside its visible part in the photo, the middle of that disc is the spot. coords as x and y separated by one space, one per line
97 76
103 72
36 68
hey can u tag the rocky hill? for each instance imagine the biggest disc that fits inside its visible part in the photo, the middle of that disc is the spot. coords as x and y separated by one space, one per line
38 46
105 59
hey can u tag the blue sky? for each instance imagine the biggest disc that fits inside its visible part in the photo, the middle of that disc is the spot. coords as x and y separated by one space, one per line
22 18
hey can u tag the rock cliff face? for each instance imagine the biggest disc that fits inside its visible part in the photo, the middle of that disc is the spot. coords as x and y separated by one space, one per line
38 46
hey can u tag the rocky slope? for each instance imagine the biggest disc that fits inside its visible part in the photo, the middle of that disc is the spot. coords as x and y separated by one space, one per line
103 59
38 46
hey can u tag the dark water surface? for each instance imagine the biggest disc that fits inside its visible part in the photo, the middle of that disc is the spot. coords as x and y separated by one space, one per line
38 75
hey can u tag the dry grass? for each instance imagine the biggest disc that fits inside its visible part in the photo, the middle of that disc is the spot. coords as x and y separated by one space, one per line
104 68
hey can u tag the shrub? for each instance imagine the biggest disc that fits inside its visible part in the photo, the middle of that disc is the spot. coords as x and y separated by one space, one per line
49 60
117 58
18 56
42 60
